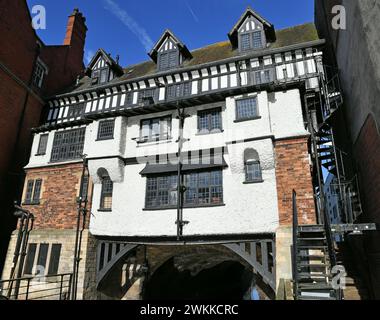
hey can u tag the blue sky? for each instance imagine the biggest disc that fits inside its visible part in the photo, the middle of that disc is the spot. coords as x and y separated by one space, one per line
129 28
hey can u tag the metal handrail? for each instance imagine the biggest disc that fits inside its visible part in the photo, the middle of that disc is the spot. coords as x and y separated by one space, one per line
62 282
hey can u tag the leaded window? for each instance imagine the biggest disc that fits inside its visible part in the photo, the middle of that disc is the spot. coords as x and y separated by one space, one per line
262 76
100 76
245 42
106 130
75 111
253 171
68 145
42 145
246 108
256 40
161 191
37 191
29 191
168 60
106 193
251 40
104 75
38 75
155 129
147 96
202 188
210 121
178 90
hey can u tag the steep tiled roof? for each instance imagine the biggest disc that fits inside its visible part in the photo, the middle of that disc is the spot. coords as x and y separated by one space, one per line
218 51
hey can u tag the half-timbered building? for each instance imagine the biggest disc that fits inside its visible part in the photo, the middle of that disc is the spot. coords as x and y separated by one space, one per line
183 163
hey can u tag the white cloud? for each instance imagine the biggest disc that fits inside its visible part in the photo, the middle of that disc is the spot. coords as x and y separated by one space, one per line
192 11
130 23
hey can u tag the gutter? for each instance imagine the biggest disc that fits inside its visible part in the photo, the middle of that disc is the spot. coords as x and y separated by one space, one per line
257 54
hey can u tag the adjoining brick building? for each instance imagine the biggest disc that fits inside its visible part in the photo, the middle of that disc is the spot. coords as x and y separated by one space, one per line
29 72
191 160
355 52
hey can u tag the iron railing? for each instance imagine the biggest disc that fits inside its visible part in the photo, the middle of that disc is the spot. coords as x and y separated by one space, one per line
50 287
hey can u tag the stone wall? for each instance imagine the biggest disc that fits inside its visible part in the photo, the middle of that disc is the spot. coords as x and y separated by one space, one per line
87 266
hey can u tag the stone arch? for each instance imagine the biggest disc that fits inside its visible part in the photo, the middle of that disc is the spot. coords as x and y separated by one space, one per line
194 258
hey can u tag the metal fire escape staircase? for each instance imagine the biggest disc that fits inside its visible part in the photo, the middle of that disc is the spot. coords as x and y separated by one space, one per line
314 248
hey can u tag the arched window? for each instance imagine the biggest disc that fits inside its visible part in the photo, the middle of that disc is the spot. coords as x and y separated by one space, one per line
252 166
107 189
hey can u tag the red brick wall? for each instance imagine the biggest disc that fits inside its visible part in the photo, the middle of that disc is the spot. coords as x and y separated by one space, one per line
19 44
60 189
293 172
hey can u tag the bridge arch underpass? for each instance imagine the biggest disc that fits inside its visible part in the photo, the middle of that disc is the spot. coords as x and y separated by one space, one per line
184 272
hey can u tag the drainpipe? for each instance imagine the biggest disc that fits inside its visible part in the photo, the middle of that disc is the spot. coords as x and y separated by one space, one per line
81 225
24 239
181 189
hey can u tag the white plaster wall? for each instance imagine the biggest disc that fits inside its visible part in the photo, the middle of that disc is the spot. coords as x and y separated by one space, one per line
286 114
44 160
94 148
249 208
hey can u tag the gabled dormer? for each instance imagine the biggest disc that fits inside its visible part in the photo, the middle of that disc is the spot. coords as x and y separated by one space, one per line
252 32
103 68
169 52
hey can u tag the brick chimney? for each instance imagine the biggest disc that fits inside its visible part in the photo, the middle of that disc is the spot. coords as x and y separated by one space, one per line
76 33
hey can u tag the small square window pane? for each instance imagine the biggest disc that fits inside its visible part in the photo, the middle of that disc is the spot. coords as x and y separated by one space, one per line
42 146
106 130
246 108
257 41
245 42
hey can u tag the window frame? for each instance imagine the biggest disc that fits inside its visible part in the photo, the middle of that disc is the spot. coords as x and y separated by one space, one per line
169 65
185 176
38 79
80 145
142 95
42 148
242 119
36 198
54 256
251 37
209 114
256 32
29 192
150 138
110 136
104 194
250 163
181 90
42 258
29 264
75 110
